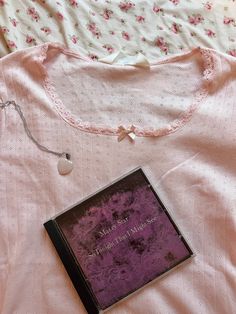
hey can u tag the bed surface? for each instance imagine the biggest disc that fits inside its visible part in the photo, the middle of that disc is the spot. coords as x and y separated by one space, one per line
99 28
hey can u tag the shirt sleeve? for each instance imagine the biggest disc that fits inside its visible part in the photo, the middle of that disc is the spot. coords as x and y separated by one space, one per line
2 84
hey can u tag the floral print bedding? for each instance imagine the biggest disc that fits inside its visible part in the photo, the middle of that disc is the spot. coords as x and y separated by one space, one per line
98 28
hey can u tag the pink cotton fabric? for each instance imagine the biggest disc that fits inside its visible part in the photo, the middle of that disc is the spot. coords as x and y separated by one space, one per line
185 143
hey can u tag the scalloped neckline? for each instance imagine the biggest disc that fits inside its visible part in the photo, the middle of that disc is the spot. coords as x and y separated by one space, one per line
209 63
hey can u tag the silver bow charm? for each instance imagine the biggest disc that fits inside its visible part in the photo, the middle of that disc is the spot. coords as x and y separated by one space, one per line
123 132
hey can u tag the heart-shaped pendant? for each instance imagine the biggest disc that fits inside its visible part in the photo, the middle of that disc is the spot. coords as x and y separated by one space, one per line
65 165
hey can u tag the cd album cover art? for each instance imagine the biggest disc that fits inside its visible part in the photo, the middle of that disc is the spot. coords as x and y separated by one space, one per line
117 240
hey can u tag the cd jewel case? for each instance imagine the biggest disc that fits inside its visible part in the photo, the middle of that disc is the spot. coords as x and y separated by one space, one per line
117 240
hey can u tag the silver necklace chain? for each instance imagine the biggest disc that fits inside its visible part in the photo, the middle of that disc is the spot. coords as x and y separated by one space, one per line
29 134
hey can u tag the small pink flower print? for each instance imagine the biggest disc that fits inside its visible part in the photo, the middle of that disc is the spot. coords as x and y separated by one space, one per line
30 39
46 30
35 17
109 48
175 28
112 32
92 27
175 2
74 39
93 57
33 13
208 5
160 43
228 20
157 9
2 3
126 6
232 52
195 19
73 3
94 30
210 33
4 29
59 16
11 44
125 35
14 22
164 49
140 18
107 14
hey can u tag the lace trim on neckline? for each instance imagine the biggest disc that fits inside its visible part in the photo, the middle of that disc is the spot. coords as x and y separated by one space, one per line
209 62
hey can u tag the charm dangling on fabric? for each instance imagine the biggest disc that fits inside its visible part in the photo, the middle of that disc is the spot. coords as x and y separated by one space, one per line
64 165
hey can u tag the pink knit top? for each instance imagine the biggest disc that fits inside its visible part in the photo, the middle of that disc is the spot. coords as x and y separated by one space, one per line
181 113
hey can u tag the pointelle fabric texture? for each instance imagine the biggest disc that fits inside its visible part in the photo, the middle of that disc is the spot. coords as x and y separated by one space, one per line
181 110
